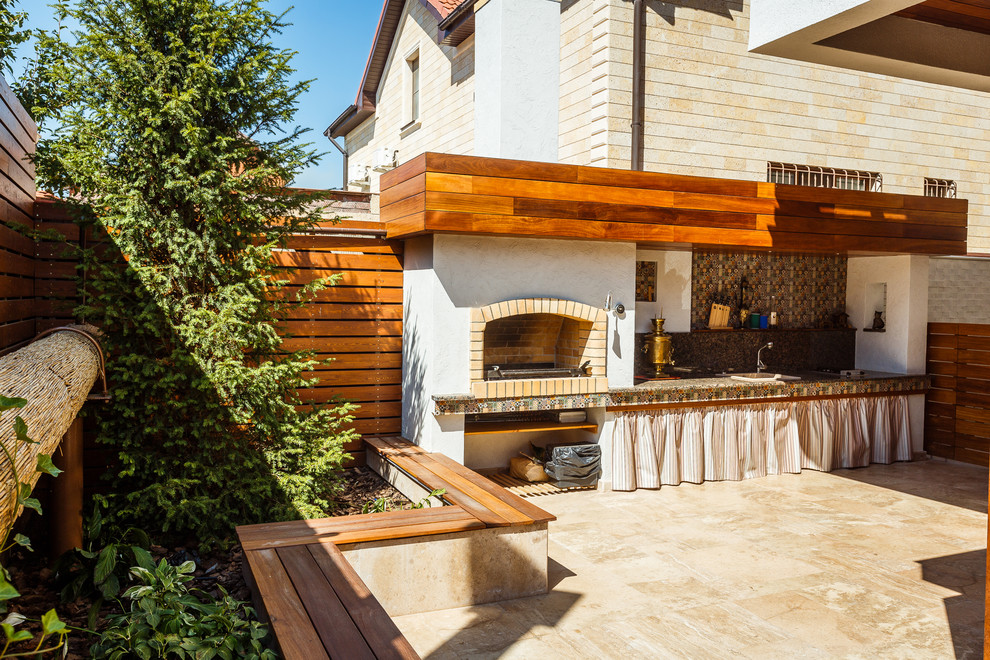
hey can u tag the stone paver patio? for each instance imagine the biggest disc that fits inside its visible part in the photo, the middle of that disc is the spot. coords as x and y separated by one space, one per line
880 562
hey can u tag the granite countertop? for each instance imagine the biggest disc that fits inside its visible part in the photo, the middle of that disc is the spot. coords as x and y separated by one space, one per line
709 387
692 388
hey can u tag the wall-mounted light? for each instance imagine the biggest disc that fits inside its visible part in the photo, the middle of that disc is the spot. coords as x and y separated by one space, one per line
619 308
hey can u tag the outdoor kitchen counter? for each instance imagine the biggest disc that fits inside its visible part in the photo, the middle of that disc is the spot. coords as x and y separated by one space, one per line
717 389
720 389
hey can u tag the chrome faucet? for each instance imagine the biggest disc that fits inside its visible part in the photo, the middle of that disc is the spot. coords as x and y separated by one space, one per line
759 361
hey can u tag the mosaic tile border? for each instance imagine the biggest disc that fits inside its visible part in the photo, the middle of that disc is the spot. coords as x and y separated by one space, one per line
682 391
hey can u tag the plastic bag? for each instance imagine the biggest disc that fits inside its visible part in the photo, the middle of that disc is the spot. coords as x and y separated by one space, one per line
574 466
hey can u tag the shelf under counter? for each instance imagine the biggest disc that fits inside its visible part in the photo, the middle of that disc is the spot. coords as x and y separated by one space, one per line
484 428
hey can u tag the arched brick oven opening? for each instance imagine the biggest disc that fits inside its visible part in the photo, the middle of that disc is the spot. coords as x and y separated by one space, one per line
538 347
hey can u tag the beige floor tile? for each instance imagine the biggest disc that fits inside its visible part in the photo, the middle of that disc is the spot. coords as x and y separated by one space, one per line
881 562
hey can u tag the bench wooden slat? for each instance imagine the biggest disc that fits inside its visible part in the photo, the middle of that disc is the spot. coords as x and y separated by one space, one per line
354 529
535 513
419 467
285 612
462 489
329 615
379 630
394 446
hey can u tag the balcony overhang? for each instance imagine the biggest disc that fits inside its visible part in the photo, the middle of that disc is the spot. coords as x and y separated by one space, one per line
441 193
939 41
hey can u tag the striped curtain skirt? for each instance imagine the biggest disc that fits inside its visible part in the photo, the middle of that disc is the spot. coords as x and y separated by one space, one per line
666 447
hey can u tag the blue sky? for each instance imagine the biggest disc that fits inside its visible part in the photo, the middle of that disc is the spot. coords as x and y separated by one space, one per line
332 37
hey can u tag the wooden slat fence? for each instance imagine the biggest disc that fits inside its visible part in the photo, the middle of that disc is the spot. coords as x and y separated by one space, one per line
957 408
357 322
18 135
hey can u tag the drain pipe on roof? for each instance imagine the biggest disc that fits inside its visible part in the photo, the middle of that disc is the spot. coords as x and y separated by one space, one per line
343 152
638 97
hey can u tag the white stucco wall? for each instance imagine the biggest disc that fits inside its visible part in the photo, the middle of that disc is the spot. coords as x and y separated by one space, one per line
448 275
673 291
901 347
517 79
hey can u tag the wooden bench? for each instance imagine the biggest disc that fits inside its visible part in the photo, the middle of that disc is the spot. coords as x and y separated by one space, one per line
311 594
483 498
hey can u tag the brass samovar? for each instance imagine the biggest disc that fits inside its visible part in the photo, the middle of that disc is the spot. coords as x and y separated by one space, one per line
659 350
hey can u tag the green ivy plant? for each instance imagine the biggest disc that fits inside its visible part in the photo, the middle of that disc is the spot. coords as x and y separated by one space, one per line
18 494
164 124
166 620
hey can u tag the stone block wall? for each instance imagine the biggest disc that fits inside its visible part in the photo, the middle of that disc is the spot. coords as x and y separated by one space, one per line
446 99
959 290
714 109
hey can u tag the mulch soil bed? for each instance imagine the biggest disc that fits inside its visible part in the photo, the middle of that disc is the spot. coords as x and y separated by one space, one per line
31 575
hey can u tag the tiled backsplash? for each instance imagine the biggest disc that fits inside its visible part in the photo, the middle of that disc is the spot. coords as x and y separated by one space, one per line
736 350
806 289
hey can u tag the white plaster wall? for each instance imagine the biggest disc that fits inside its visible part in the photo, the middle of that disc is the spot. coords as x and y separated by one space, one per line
901 347
959 290
448 275
517 79
777 19
673 291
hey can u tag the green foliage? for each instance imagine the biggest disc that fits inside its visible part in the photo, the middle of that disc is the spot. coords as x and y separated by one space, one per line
97 574
164 122
11 34
19 495
382 504
167 620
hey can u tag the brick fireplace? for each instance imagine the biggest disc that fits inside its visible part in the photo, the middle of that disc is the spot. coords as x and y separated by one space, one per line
540 333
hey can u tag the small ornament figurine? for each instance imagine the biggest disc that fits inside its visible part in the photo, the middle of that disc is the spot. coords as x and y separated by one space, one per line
878 320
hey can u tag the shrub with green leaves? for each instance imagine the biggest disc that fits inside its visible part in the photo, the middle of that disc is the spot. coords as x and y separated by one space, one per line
163 124
11 32
166 620
98 574
18 493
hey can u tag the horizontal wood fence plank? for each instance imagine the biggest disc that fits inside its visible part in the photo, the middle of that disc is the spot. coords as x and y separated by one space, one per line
346 294
360 278
342 312
338 261
364 393
341 345
344 243
386 360
351 377
328 328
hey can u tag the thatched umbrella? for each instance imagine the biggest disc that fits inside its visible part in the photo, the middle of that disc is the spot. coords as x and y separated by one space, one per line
54 373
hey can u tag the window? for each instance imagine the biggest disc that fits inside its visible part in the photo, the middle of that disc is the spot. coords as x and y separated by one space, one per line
823 177
413 87
940 187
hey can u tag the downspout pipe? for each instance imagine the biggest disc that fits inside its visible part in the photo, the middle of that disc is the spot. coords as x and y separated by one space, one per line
638 78
343 152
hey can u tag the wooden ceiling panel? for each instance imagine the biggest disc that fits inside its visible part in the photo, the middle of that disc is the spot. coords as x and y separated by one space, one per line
970 15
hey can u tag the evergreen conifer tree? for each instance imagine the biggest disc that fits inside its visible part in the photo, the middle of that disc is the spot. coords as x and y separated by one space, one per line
164 129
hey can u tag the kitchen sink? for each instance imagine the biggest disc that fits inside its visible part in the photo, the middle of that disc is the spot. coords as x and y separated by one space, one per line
763 377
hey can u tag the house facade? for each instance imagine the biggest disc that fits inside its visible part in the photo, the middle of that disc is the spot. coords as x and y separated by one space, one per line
712 107
542 81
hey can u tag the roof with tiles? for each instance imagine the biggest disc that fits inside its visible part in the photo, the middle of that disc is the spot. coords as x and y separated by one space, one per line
388 25
445 7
